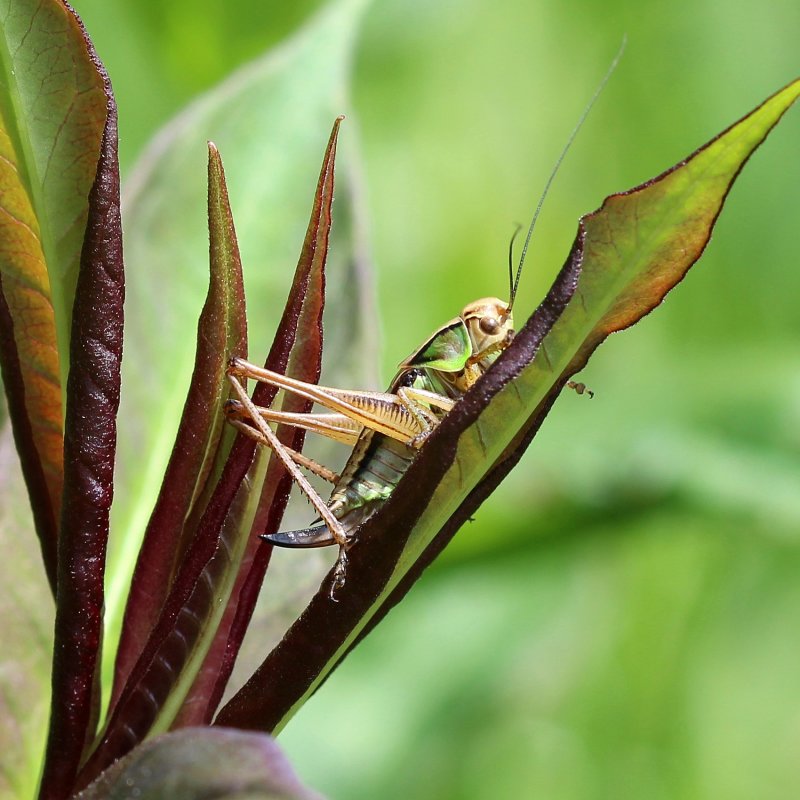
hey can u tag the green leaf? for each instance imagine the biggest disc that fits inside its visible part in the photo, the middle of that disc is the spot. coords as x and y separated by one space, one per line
631 251
26 619
626 257
198 763
271 120
52 114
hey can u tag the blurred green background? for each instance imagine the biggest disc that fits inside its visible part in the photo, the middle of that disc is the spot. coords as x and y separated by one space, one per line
621 618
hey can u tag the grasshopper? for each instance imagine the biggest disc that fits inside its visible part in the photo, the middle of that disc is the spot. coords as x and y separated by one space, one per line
386 429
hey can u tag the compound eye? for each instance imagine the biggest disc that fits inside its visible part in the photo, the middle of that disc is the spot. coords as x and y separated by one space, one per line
489 325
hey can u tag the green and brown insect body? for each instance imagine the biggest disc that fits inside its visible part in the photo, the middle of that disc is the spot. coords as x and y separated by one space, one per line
372 471
386 428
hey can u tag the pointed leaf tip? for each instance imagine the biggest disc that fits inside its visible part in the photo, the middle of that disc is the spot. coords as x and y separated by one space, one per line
51 129
163 202
198 452
304 363
641 243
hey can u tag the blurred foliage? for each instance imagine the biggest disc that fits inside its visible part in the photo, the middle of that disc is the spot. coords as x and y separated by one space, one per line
620 620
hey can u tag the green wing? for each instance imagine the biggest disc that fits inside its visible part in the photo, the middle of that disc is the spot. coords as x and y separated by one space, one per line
447 350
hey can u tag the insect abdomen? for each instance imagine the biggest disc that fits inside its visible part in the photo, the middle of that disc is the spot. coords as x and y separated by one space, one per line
369 477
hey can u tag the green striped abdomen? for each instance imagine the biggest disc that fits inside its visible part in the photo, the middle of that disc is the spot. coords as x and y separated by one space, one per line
371 474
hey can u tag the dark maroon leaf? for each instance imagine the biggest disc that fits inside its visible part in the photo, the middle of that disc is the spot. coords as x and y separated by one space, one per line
221 332
164 655
305 363
89 447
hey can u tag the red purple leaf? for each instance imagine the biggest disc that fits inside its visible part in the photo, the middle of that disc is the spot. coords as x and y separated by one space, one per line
221 332
89 449
305 363
161 662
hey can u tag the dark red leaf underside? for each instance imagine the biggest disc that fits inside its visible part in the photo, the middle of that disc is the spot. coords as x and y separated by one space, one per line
89 448
134 714
221 333
305 363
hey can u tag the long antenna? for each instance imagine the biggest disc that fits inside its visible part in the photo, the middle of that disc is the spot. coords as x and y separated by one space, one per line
555 169
514 235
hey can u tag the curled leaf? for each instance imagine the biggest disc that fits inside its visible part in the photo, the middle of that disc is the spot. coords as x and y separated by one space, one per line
52 116
89 451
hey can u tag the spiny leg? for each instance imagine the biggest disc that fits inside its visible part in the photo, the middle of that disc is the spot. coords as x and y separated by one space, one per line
304 461
383 412
337 427
319 504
